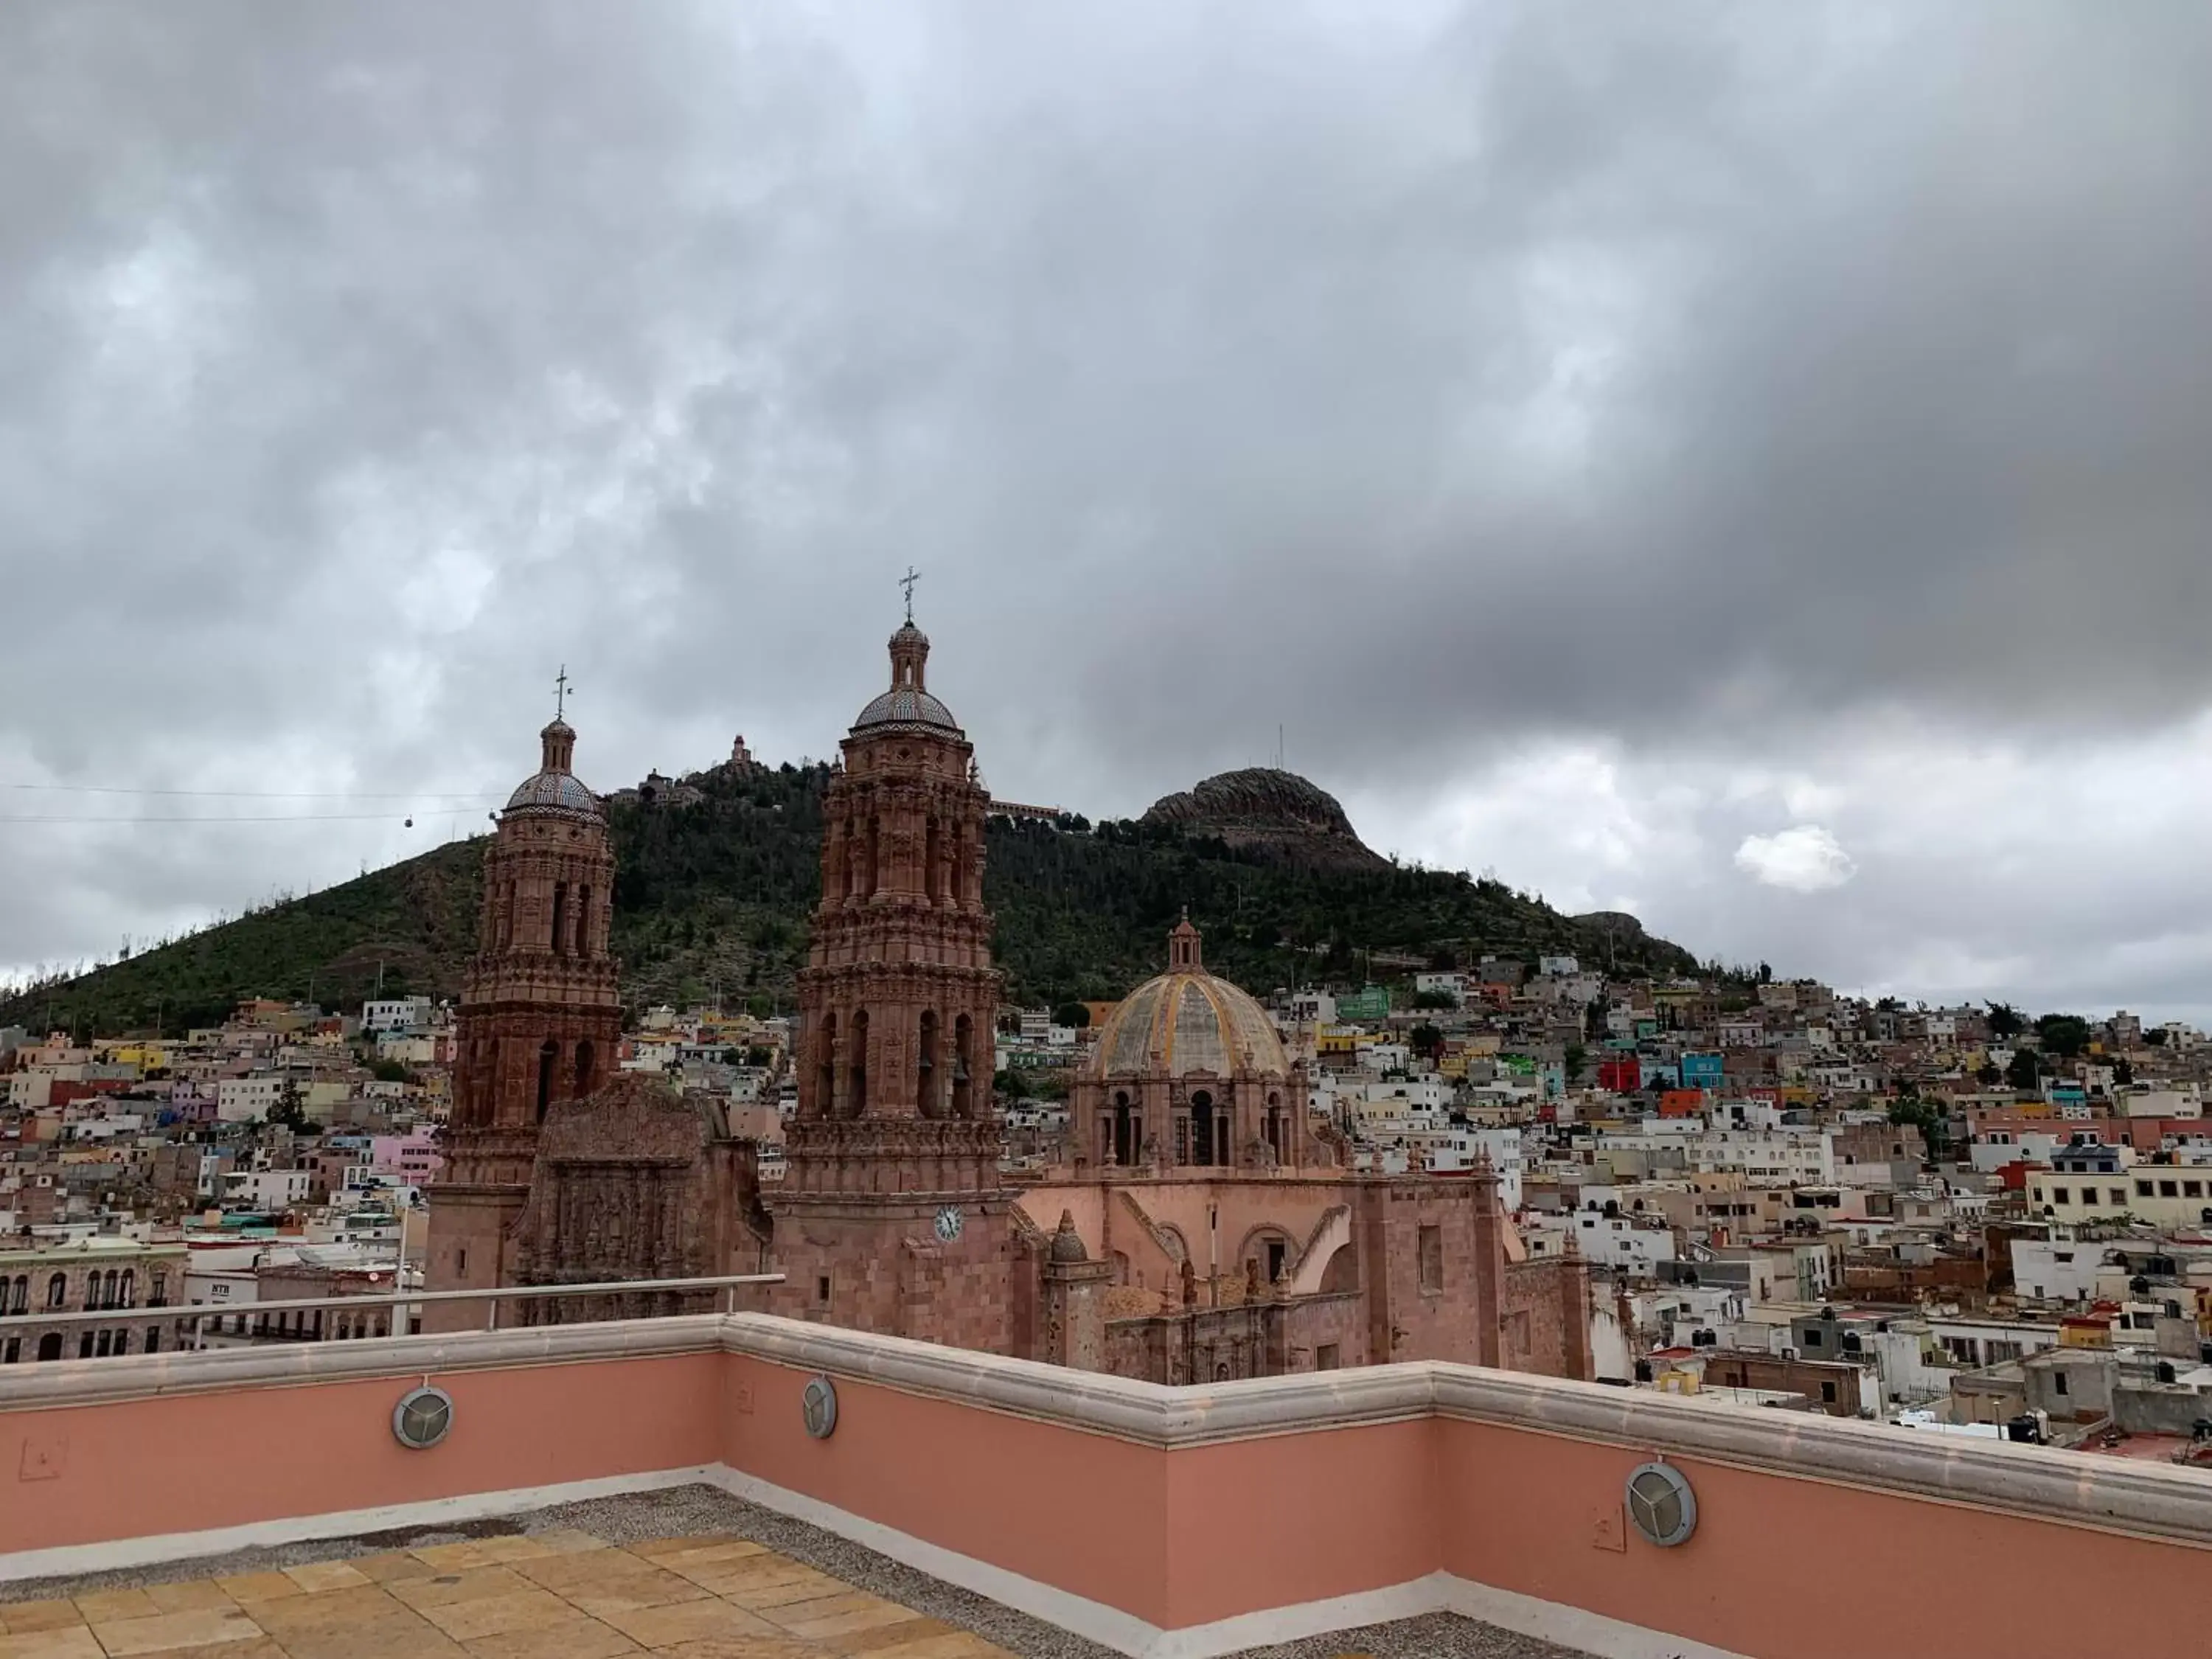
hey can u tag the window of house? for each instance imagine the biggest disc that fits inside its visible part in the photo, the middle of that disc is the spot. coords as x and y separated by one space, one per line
2119 1197
1432 1258
822 1288
2058 1382
2192 1189
1325 1357
2169 1190
1828 1394
2143 1189
2061 1195
1812 1336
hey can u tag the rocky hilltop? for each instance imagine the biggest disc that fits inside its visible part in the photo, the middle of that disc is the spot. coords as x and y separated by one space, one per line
1262 810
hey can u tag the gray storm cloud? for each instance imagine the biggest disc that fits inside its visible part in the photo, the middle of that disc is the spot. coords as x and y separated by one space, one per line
1495 396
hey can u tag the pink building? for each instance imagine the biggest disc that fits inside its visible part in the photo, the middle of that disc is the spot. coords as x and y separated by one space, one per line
412 1158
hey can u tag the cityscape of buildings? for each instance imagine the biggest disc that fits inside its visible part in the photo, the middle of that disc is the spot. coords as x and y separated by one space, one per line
1954 1221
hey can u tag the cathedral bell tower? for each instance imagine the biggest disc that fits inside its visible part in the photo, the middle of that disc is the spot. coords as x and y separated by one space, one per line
891 1216
539 1022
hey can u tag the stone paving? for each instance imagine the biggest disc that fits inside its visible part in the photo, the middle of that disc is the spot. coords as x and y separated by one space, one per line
565 1593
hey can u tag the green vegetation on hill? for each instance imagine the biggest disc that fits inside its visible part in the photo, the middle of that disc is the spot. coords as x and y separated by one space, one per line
711 901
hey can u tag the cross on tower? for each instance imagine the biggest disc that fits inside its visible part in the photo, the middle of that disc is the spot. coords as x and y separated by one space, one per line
561 692
907 582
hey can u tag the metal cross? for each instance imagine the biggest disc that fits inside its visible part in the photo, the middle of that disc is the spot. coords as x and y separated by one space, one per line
561 692
907 582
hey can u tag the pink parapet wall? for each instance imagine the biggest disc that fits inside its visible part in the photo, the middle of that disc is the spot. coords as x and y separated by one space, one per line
1174 1523
191 1460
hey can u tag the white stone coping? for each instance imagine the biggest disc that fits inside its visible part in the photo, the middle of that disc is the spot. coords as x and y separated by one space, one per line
2036 1482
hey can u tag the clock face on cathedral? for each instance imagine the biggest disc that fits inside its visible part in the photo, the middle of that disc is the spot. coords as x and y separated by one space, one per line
949 1221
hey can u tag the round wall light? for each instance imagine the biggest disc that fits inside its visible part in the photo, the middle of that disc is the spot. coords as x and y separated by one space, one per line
422 1417
1661 1504
817 1406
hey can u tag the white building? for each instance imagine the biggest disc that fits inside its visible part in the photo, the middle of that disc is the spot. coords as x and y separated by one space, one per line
267 1189
247 1099
397 1014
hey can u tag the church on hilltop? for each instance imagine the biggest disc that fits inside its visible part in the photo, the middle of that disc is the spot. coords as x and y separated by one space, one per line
1201 1225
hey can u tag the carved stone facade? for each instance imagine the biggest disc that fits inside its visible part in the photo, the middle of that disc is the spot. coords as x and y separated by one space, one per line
540 1020
892 1214
638 1181
1205 1227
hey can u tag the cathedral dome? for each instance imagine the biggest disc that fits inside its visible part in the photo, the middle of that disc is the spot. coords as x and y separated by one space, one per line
1186 1021
908 704
556 789
553 787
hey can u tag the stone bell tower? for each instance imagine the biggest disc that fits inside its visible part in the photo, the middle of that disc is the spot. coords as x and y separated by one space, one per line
891 1216
540 1019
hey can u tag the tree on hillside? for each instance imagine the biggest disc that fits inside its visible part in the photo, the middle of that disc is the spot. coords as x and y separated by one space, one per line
2005 1020
2025 1070
2063 1035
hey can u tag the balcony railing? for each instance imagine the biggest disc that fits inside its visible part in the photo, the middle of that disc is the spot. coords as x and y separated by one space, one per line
1174 1523
194 1313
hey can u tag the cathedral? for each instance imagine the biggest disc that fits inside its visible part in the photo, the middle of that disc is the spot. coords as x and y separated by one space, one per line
1201 1225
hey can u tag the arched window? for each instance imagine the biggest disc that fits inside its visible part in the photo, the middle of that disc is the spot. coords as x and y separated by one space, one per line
1127 1129
50 1346
1201 1127
130 1287
84 1346
963 1067
22 1303
856 1072
153 1339
875 851
549 1056
587 1060
931 1097
929 851
560 918
100 1346
825 1069
57 1290
585 941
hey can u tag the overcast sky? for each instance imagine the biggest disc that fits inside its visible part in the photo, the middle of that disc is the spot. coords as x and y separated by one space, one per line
1745 465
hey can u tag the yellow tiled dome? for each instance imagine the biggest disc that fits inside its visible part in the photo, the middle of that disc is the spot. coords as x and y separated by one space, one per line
1185 1021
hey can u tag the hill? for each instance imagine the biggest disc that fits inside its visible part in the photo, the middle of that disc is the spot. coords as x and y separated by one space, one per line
1276 814
712 896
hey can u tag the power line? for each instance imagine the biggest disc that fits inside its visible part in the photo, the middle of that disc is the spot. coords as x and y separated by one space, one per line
211 817
255 795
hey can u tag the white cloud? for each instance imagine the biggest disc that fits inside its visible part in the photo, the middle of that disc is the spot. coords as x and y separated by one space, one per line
1804 860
